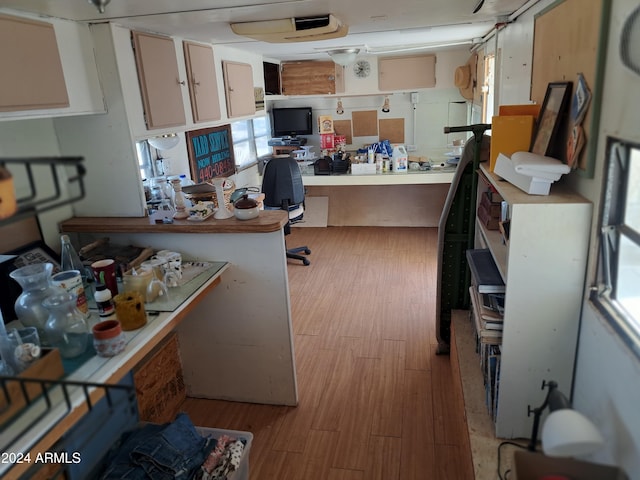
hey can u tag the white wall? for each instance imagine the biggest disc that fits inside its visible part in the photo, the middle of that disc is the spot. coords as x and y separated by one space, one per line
436 108
607 379
607 382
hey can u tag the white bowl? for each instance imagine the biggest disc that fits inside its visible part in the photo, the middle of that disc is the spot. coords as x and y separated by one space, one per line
246 213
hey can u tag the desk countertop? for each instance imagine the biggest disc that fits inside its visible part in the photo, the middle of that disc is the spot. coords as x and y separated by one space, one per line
441 175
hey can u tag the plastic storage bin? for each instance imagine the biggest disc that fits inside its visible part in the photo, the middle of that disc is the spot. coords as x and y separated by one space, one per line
243 471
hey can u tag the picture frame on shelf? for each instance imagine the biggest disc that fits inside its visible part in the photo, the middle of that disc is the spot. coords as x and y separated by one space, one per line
554 108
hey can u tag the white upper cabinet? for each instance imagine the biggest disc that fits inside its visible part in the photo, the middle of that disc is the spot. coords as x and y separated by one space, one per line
203 86
48 69
32 71
238 85
160 82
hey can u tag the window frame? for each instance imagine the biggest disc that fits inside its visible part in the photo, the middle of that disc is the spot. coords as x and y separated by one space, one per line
251 139
612 228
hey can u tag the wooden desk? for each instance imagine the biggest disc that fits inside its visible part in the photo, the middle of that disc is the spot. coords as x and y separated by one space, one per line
412 199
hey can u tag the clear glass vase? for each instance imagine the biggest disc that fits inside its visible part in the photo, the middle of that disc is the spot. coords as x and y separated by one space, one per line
66 327
35 281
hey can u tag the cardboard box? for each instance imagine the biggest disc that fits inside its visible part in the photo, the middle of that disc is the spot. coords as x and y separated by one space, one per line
525 109
363 168
536 466
509 134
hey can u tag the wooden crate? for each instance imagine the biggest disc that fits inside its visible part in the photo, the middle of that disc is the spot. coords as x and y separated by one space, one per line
159 383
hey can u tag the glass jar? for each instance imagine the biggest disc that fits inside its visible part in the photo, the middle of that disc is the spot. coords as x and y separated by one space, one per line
66 328
35 281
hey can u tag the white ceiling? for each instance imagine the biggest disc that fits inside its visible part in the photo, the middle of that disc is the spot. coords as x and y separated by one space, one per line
373 24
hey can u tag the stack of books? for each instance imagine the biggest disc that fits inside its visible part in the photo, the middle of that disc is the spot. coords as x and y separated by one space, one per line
487 310
489 209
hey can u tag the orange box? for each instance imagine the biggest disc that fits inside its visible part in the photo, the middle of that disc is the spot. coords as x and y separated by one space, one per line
528 109
509 134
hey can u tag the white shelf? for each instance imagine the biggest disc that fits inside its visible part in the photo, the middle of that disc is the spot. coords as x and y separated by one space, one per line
543 266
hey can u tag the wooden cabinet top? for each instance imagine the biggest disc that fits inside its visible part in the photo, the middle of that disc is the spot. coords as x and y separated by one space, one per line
268 221
308 78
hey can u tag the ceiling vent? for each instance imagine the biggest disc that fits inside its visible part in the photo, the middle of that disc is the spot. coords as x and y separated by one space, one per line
303 29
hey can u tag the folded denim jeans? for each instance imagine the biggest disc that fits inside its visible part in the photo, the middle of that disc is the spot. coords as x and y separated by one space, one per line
160 452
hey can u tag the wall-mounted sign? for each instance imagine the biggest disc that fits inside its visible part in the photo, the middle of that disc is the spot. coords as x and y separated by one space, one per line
210 153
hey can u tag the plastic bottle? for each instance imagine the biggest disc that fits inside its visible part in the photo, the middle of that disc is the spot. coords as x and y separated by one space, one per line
399 159
104 301
186 181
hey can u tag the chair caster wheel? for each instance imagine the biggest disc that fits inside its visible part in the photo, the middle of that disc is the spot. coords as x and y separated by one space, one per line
307 251
306 262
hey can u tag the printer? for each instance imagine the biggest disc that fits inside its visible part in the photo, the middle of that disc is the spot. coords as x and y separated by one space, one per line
530 172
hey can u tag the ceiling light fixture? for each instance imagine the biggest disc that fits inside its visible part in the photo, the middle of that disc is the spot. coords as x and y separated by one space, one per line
164 142
339 108
343 56
99 4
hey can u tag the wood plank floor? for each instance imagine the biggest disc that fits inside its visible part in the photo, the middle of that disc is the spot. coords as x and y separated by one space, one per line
375 402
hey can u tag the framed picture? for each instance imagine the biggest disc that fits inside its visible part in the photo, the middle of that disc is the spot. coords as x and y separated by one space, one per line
210 153
554 108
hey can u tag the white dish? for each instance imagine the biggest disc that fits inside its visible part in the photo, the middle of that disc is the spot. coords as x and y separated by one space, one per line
199 218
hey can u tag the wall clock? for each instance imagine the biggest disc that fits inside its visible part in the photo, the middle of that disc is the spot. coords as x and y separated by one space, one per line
362 68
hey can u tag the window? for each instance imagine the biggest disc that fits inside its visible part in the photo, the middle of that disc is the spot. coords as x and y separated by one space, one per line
145 161
618 291
250 141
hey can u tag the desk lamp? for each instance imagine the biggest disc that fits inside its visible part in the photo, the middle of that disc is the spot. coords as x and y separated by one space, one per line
565 432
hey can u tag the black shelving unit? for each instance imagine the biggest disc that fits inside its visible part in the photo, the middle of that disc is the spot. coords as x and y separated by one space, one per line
31 202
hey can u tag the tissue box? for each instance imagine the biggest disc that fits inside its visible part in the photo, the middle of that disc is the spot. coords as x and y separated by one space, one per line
363 168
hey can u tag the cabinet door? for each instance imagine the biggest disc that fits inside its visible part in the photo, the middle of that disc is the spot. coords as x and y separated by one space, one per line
413 71
238 85
308 78
203 87
32 76
160 83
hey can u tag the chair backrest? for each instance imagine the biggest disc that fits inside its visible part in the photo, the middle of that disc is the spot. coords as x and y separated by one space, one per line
282 183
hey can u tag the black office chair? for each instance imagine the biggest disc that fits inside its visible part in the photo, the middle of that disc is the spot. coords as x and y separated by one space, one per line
283 188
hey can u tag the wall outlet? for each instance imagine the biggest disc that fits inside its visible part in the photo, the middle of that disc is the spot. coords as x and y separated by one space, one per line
414 97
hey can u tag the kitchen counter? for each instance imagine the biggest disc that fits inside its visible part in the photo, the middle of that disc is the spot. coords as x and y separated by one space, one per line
268 221
245 324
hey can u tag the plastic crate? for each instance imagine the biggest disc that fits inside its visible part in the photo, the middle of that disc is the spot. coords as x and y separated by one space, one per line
243 471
